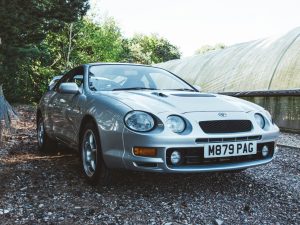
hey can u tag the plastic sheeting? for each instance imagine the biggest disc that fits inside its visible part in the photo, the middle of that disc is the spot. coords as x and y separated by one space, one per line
266 64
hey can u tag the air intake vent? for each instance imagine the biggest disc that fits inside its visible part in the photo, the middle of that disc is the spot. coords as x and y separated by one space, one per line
225 126
160 94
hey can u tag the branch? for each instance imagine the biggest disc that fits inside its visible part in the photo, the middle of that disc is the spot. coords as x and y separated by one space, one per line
56 60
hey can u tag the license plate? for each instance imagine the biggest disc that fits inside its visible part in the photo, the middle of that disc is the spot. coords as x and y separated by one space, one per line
216 150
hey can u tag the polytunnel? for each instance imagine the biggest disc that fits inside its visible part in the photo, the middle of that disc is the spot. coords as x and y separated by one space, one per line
266 64
265 71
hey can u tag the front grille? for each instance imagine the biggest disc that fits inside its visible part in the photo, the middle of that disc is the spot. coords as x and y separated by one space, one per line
195 156
225 126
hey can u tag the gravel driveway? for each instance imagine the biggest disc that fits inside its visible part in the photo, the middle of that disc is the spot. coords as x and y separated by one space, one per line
50 189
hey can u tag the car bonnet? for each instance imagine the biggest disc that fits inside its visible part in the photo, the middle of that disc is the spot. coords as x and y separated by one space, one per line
179 101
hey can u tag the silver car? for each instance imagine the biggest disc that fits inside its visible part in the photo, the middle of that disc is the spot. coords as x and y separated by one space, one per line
143 118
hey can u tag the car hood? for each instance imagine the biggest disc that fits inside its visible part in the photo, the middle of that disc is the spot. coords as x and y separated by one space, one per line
181 102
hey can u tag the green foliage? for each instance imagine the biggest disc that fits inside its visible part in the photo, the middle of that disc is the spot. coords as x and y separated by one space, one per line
84 42
98 42
27 22
43 38
77 43
208 48
149 49
24 25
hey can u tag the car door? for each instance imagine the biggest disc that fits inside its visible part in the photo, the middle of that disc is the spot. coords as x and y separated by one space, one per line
55 106
68 108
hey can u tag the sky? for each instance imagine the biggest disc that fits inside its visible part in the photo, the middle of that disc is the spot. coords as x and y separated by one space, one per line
190 24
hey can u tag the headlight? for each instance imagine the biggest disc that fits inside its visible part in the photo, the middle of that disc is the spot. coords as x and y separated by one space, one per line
260 120
176 124
139 121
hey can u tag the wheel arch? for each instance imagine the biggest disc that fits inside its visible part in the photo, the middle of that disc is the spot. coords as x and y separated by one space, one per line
87 118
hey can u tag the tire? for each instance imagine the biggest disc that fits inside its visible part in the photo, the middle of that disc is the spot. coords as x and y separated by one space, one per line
45 143
93 166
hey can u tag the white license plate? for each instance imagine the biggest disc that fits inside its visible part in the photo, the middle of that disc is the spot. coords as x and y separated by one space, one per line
216 150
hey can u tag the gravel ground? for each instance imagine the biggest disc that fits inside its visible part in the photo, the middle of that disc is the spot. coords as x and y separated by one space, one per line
50 189
289 139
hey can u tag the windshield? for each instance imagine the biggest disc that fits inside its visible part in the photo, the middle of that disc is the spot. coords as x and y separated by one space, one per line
131 77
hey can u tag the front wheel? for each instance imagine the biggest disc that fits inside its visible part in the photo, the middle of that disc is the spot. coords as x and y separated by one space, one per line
93 165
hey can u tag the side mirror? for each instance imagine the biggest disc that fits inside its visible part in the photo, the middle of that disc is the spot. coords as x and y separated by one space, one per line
198 88
68 88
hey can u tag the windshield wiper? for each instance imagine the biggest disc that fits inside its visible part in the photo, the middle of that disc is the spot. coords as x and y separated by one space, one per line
133 88
181 89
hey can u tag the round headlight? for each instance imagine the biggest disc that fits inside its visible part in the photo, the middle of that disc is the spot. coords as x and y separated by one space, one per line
260 120
176 124
139 121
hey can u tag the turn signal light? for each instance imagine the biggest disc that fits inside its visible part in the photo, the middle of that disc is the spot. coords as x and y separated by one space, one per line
141 151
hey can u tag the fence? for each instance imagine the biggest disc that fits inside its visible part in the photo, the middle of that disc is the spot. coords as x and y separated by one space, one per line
284 105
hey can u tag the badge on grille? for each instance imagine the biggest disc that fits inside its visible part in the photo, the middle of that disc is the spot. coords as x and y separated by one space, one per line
222 114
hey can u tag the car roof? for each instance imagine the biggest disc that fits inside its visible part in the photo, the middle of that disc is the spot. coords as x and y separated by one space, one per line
116 63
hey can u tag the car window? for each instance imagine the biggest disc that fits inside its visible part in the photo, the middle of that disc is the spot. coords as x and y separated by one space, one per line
162 81
62 80
114 77
78 79
146 82
74 75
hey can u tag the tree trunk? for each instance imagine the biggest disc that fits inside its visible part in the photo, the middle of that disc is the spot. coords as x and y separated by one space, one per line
6 114
70 45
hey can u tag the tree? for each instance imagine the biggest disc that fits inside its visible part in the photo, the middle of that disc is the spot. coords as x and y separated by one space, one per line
98 42
76 43
208 48
43 38
25 24
6 114
149 49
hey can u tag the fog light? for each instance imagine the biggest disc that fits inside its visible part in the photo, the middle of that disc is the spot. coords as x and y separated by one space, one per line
265 151
142 151
175 157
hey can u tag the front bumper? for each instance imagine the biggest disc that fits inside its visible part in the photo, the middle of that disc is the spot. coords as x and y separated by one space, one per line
164 144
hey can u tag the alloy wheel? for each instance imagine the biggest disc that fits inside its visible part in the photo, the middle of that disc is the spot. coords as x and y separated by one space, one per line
89 153
41 133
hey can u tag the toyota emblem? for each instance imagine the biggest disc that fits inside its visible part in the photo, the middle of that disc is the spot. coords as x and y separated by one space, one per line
222 114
